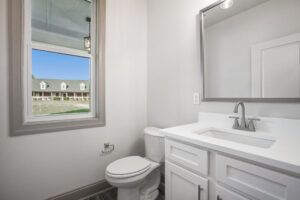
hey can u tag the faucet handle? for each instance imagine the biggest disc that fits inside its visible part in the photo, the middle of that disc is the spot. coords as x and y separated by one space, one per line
251 123
234 117
253 119
236 122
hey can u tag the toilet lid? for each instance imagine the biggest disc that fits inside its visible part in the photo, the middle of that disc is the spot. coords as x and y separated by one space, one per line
129 166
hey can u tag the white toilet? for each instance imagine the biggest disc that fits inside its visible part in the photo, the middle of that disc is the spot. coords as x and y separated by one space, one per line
138 178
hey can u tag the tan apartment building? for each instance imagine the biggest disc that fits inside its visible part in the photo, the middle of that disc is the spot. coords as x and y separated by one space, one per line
54 89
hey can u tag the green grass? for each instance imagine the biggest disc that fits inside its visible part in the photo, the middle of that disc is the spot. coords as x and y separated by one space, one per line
59 107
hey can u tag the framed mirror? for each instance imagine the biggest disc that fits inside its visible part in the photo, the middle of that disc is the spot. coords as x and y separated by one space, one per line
250 51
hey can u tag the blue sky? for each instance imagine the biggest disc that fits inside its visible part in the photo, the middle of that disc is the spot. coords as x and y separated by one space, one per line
48 65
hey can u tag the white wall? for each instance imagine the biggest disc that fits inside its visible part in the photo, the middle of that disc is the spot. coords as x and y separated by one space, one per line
36 167
174 67
229 42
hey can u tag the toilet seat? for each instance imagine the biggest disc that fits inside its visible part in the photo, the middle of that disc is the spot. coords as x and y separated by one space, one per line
128 167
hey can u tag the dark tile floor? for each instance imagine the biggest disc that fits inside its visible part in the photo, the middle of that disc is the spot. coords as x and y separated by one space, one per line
108 195
160 197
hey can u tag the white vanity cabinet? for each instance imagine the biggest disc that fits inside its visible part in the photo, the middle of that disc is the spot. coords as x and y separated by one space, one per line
184 165
191 169
225 194
184 185
187 156
255 181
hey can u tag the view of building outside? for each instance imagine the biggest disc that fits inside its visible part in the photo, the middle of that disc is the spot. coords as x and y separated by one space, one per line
60 83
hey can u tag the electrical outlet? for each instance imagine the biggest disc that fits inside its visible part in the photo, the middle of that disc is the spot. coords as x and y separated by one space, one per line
196 98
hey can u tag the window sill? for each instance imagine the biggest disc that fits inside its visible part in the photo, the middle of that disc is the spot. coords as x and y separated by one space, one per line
55 126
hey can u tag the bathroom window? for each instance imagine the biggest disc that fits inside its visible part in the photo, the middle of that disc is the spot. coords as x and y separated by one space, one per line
60 65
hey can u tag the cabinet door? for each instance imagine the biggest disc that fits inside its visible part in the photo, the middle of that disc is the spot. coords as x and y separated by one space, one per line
225 194
182 184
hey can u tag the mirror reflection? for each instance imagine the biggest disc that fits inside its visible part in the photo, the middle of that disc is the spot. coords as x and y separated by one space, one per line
251 49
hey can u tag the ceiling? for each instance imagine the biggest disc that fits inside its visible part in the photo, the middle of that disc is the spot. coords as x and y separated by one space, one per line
217 14
60 18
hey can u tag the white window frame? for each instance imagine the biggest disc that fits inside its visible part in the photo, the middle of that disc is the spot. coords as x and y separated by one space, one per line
43 85
82 86
63 86
22 121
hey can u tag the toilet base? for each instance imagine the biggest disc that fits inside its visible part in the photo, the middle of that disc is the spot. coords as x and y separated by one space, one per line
147 191
151 196
128 194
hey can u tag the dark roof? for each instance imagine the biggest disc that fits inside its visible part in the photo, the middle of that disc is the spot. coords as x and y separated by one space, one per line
54 85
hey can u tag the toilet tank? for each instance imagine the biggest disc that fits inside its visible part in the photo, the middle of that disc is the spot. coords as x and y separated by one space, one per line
154 144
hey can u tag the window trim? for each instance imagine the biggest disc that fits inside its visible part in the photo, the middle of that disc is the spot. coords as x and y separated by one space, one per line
19 125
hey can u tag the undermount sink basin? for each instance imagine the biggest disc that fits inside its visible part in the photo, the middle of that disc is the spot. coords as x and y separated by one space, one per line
238 138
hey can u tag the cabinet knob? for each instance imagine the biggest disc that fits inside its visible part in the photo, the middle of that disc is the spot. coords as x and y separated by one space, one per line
219 198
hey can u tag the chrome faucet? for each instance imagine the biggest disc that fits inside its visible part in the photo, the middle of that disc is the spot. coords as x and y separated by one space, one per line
243 116
243 125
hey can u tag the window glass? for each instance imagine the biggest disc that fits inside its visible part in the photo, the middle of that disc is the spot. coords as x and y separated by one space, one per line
64 23
57 83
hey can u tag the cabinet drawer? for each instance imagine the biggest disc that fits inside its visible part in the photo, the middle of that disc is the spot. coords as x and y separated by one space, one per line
255 181
225 194
187 156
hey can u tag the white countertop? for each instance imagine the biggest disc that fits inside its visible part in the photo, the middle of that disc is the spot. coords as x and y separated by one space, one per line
283 154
